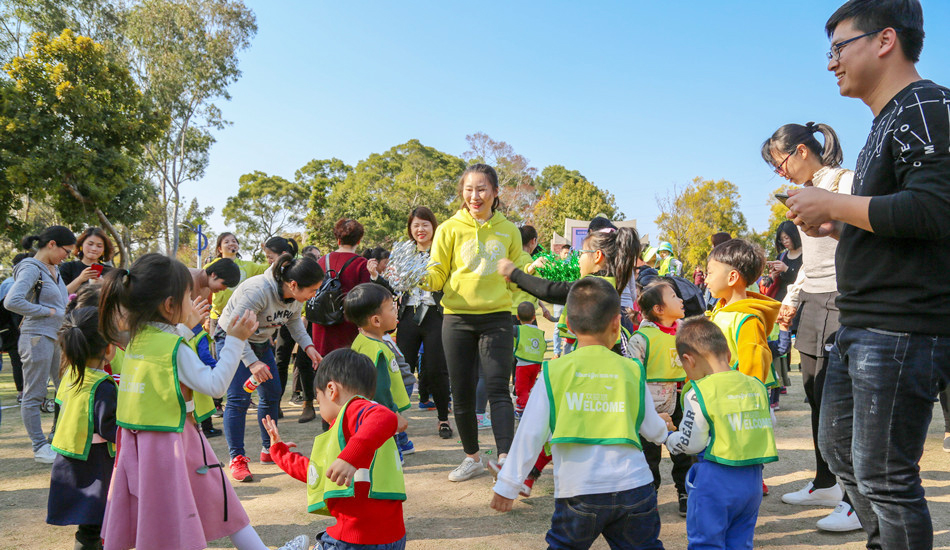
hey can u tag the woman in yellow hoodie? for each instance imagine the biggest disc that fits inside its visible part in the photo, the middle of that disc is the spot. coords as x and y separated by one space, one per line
476 330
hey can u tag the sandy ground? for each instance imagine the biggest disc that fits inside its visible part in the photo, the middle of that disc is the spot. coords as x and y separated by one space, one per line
444 515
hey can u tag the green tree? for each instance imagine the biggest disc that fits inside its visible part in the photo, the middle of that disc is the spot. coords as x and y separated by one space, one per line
574 198
186 54
554 176
689 216
73 127
320 177
265 206
777 212
382 189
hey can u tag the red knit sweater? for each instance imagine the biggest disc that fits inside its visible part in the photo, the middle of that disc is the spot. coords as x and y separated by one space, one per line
359 520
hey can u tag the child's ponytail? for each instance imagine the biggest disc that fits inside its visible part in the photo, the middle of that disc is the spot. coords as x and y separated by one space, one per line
81 342
113 294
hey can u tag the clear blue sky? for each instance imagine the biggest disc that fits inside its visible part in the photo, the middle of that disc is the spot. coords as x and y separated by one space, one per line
637 96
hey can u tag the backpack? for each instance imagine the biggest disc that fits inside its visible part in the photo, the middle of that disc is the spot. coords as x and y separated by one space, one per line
694 301
10 322
326 306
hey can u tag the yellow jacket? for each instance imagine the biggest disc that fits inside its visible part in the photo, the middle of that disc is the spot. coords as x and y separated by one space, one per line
464 263
751 321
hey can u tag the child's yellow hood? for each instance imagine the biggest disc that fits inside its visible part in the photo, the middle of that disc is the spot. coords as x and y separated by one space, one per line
761 306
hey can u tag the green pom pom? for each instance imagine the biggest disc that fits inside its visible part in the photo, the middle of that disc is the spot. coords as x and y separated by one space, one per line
557 269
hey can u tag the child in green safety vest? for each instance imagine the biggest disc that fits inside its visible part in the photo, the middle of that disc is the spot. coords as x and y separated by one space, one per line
727 422
85 431
530 346
593 406
353 472
654 344
371 307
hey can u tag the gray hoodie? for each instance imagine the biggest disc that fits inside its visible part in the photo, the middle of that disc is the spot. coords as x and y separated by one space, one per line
36 314
262 295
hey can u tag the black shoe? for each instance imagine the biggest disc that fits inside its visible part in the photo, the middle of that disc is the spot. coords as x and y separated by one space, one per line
445 430
682 499
212 432
280 414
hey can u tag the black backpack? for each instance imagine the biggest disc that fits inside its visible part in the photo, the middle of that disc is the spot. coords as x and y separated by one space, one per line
10 322
694 301
326 306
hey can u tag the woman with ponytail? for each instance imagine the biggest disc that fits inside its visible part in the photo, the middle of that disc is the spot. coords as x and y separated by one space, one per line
284 343
275 298
39 295
795 153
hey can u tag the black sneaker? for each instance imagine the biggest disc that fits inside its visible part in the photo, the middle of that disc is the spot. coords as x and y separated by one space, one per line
212 432
445 430
682 499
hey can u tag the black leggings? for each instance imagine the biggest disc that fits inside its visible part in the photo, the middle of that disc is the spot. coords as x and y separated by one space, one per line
433 372
485 340
282 352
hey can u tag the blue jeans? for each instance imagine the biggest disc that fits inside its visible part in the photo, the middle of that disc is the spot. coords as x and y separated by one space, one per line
722 506
876 407
326 542
627 519
235 412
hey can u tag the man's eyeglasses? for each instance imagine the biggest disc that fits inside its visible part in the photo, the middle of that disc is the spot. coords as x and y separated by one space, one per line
835 52
780 169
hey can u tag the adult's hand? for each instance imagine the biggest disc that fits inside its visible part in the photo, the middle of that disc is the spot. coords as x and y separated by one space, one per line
372 265
505 267
260 371
314 356
810 206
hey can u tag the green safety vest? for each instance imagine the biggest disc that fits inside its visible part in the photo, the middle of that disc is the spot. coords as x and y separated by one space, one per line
373 349
730 322
596 397
74 428
662 362
150 396
385 477
530 344
740 426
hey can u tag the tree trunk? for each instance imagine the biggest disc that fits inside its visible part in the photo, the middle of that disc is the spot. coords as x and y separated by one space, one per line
175 229
123 252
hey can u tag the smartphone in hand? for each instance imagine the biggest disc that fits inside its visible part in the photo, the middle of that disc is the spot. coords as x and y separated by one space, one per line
97 268
782 197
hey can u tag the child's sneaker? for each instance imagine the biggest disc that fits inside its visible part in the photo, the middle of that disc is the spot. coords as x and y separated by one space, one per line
843 519
528 484
468 469
518 413
495 467
407 448
45 454
765 489
239 469
426 405
683 499
484 422
265 456
301 542
445 430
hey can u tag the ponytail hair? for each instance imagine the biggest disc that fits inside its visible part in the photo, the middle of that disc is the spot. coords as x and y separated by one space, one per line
305 271
58 234
80 341
137 294
621 247
787 138
650 297
281 245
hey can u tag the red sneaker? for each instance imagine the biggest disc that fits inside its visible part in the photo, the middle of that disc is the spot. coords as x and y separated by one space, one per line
765 489
526 487
265 457
239 470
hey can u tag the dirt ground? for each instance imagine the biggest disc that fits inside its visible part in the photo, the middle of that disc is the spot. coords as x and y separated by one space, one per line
444 515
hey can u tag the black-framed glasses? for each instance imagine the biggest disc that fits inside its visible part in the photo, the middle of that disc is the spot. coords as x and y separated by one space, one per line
835 51
780 169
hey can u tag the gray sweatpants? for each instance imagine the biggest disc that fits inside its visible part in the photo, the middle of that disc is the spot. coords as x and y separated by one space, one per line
40 355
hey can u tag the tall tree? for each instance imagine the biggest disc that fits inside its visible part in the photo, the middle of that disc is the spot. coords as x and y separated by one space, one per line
572 198
516 176
320 177
186 56
689 216
72 127
265 206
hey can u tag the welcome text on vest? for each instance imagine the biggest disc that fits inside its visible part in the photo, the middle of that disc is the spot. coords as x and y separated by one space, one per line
595 402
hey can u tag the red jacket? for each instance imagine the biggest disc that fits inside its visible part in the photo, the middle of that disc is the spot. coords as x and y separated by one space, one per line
359 520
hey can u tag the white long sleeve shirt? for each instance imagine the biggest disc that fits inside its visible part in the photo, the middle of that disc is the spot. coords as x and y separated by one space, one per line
193 373
578 469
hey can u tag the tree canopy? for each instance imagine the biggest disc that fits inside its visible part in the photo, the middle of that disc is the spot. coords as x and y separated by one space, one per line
265 206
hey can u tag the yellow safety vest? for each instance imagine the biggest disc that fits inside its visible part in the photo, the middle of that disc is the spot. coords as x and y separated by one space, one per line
740 426
596 397
530 344
74 428
116 363
662 362
730 322
373 349
150 396
384 475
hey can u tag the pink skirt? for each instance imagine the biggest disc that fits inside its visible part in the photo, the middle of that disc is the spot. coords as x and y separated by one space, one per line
158 500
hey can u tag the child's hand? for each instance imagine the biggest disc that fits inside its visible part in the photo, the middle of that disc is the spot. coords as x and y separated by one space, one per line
243 327
271 428
341 472
203 308
669 421
505 267
500 503
402 423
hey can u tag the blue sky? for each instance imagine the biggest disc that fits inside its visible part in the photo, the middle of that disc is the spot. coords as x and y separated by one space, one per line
637 96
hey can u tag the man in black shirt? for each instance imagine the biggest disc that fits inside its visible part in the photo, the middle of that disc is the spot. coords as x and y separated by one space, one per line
892 353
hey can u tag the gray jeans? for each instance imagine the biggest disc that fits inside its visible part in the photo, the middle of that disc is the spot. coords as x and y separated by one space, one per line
40 355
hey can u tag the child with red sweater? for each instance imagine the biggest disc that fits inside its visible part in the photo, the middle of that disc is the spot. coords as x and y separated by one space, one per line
353 473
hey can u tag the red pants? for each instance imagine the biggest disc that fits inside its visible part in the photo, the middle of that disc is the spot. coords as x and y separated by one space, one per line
525 376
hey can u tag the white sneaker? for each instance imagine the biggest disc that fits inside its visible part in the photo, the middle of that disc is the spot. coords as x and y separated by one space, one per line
45 455
842 519
468 469
809 496
301 542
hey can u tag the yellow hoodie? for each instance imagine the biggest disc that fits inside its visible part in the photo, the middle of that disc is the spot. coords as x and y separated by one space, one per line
746 324
464 263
